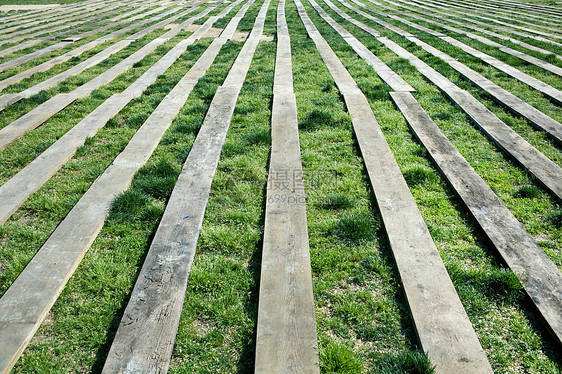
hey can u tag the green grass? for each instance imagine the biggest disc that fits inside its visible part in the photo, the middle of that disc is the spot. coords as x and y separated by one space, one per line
361 313
363 319
497 296
542 2
37 2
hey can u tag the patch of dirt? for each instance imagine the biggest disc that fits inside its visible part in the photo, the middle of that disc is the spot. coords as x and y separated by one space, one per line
214 32
170 26
7 8
201 326
239 36
267 38
541 237
39 336
354 287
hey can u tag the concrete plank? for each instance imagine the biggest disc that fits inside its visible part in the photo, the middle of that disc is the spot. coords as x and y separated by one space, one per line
76 69
384 72
539 276
17 189
146 334
546 171
544 88
434 14
443 327
286 340
43 112
28 300
514 104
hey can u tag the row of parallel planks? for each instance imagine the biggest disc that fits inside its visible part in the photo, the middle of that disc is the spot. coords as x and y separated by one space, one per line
178 193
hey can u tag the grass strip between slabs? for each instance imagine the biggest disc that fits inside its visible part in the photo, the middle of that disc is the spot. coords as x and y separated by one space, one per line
70 243
80 50
499 313
415 253
46 110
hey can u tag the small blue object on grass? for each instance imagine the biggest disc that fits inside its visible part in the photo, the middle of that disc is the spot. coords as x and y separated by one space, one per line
185 217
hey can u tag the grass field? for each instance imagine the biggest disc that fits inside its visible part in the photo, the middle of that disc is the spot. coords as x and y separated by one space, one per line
37 2
362 315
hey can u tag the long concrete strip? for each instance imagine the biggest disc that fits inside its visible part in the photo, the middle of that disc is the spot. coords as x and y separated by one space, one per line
539 9
28 300
51 34
23 17
384 72
544 88
509 12
514 104
162 13
42 13
17 189
537 118
547 90
31 34
523 56
523 9
286 340
11 32
146 334
504 25
496 27
444 330
46 110
469 11
539 276
433 14
546 171
45 15
11 98
48 49
48 30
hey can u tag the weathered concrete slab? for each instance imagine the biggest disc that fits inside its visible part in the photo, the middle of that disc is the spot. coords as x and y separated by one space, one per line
146 334
286 339
507 11
77 69
523 56
94 18
546 171
28 300
86 47
68 28
13 31
42 16
469 10
546 89
530 59
17 189
443 327
539 276
512 102
505 29
433 14
383 71
43 112
62 43
540 9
